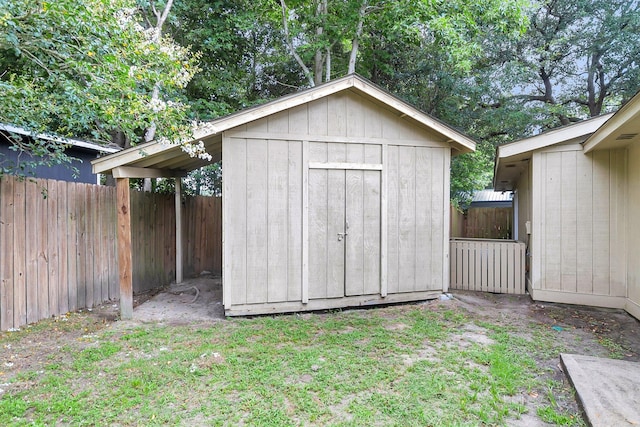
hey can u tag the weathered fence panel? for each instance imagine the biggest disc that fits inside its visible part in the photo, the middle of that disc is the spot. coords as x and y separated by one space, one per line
482 223
58 245
496 266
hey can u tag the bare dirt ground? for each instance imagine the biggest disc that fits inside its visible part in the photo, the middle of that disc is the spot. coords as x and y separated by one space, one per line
580 330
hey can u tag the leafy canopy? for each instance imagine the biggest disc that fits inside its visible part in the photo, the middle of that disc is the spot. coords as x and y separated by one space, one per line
87 68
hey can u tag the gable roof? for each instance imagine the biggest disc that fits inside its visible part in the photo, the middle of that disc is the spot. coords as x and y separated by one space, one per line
48 137
512 158
622 130
165 158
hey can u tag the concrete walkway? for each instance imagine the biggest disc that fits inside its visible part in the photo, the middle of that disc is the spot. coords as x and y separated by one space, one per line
607 389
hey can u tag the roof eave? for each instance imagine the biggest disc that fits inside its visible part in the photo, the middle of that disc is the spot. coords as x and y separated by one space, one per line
624 116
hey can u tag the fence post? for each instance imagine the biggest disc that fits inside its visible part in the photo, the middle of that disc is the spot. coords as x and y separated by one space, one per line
123 204
178 230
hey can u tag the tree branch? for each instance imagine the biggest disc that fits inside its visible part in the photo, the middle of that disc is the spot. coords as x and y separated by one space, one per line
356 38
287 36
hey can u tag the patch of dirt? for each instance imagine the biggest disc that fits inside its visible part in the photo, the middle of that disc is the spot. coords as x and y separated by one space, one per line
195 300
581 330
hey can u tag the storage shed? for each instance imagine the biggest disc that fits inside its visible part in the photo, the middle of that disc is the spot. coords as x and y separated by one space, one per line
332 197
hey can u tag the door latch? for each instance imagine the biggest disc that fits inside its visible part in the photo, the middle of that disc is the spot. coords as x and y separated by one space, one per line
341 236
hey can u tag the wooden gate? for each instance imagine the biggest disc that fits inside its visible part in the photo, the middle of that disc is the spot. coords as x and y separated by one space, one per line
496 266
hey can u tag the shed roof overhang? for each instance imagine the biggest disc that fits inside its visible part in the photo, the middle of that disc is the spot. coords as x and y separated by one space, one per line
513 159
170 160
623 128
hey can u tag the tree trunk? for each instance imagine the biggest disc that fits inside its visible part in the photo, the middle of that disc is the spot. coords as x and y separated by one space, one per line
292 49
318 65
150 132
355 44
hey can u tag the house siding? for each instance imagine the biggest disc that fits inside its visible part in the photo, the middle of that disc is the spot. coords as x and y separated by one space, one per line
579 218
633 231
81 161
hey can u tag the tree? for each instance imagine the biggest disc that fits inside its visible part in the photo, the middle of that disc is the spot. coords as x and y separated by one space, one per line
88 69
326 35
578 59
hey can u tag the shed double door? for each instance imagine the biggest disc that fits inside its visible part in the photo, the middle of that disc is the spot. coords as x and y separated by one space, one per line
344 232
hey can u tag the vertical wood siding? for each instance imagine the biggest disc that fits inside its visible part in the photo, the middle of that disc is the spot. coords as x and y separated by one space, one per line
496 266
278 212
58 245
415 218
633 231
579 221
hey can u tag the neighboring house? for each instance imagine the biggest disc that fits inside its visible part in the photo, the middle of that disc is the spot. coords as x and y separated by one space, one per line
335 196
83 152
577 193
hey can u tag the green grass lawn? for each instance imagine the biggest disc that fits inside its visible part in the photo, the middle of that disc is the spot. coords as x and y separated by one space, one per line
405 365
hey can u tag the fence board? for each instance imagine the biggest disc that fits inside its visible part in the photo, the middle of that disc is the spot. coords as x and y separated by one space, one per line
82 246
72 245
488 265
6 247
19 254
63 283
43 249
31 233
52 249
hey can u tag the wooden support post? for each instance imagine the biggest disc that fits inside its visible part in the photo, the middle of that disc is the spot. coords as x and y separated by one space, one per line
179 230
123 204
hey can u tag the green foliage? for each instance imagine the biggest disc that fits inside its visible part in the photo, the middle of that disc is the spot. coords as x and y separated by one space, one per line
86 68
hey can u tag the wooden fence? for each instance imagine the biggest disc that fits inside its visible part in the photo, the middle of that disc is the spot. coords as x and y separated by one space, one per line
496 266
58 245
482 223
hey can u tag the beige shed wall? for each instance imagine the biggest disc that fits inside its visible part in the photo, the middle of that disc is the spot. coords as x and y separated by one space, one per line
633 232
265 190
579 217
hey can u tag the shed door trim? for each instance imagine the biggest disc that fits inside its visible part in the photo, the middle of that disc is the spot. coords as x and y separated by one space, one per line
347 269
346 166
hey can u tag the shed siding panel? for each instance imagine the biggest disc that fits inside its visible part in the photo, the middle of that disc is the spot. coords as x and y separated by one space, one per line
257 221
299 119
407 219
372 221
424 227
335 197
553 213
601 225
294 280
633 225
277 220
318 215
318 117
235 221
439 244
584 238
355 116
618 255
580 240
392 219
569 220
337 114
355 257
